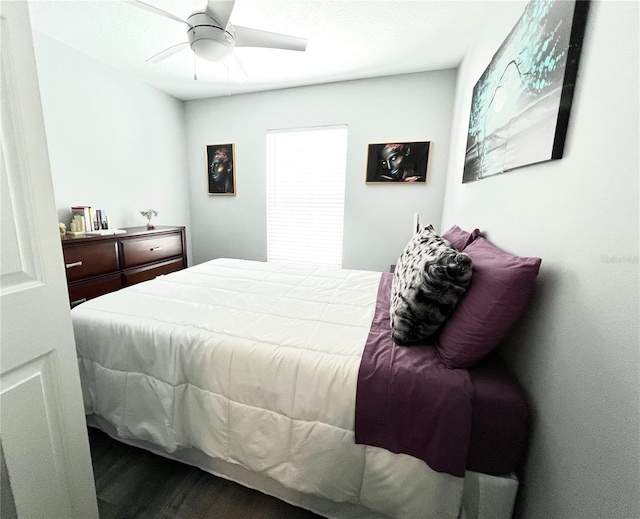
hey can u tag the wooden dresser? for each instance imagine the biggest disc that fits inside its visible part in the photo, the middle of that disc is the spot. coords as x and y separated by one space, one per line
97 265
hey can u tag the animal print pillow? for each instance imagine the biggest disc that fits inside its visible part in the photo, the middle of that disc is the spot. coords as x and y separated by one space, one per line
430 278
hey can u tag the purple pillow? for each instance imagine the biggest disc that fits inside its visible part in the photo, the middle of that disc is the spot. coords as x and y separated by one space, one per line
460 238
500 289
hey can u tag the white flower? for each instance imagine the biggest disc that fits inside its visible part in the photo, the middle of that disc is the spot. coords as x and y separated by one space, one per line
149 213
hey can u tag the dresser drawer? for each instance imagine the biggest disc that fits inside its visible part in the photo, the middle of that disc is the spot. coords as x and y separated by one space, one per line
97 265
150 249
146 273
92 259
83 291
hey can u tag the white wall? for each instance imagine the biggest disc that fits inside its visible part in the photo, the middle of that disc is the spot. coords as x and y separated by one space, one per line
378 217
577 350
114 143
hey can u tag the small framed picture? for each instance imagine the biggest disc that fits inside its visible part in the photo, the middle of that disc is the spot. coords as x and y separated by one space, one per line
398 162
221 172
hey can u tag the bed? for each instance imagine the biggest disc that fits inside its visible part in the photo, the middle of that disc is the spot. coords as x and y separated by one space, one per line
255 372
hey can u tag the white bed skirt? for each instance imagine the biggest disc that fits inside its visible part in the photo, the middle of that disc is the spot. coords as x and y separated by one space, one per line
484 496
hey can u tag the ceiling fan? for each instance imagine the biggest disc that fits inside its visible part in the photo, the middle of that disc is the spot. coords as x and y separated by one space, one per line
213 37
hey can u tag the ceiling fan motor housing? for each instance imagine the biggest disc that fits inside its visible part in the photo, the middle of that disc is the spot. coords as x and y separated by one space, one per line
208 40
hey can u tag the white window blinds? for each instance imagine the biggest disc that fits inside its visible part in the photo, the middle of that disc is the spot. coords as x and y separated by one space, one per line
306 170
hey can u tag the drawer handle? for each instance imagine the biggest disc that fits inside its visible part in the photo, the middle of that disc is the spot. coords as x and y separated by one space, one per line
76 264
79 301
153 249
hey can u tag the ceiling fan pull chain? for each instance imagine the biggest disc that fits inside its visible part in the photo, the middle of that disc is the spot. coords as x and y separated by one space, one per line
195 70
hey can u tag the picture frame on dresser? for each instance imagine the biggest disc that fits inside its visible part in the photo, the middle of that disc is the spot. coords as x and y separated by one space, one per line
97 265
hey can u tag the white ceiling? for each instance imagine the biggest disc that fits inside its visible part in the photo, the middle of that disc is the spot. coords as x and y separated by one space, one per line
347 39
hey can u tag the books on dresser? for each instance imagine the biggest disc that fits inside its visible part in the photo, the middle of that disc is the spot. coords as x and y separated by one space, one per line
85 219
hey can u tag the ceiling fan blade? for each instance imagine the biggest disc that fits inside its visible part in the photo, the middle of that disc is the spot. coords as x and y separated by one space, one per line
155 10
174 49
220 11
246 37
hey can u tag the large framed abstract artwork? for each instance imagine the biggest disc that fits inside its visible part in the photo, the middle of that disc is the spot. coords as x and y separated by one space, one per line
521 103
221 173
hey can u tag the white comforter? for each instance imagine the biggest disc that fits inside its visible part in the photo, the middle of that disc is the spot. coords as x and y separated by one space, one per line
255 364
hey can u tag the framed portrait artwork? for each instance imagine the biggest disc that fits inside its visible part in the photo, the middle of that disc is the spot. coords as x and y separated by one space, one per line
521 103
221 172
398 162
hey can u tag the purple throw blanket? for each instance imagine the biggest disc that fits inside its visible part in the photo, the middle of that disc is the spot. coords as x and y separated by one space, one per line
408 402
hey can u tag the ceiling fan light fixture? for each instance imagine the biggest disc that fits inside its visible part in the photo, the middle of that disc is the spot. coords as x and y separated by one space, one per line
208 41
211 50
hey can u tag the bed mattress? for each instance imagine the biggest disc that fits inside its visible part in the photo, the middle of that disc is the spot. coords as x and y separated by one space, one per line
255 365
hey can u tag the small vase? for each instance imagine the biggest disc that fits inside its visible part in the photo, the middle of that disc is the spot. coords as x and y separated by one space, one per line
150 225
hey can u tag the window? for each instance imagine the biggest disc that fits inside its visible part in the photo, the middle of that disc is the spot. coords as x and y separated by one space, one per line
306 170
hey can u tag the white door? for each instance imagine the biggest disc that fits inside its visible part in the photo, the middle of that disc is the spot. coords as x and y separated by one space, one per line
43 435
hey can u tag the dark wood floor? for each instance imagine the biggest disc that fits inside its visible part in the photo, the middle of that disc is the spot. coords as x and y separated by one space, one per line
134 483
